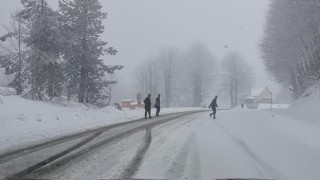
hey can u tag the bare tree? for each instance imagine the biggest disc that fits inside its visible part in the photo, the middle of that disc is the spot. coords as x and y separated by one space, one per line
185 80
198 72
236 77
168 58
148 77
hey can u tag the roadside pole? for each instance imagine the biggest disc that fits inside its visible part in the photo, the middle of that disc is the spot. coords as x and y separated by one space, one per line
271 100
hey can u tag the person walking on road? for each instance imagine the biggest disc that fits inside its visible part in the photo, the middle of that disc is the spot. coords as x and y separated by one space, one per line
157 105
147 106
214 106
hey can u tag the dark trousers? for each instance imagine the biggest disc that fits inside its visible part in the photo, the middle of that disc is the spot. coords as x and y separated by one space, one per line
214 112
147 110
158 111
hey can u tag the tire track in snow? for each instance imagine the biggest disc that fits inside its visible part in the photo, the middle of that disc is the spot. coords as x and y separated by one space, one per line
260 164
196 165
137 160
52 158
187 155
112 139
22 151
60 159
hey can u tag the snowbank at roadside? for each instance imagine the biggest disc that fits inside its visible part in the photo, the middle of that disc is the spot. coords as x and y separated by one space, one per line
25 121
307 107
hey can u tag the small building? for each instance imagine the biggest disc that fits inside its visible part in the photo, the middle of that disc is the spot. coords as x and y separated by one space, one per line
262 95
258 96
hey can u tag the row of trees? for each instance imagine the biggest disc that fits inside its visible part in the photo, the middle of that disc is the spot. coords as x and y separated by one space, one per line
291 46
193 77
182 78
56 53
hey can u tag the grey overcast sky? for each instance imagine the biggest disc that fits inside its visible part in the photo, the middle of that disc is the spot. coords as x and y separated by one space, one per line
139 28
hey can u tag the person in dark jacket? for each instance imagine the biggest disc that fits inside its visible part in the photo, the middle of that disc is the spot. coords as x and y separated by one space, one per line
214 106
147 106
157 105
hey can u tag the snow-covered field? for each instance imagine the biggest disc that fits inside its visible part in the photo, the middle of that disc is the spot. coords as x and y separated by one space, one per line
25 121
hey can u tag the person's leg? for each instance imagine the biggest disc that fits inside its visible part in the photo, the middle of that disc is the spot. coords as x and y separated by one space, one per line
158 110
149 111
214 113
145 113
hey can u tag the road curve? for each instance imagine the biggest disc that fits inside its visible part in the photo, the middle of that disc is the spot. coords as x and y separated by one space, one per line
44 157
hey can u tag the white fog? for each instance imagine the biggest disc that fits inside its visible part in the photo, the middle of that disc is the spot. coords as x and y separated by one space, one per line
160 89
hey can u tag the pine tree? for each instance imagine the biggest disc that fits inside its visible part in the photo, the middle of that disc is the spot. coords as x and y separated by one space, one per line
44 40
14 53
82 24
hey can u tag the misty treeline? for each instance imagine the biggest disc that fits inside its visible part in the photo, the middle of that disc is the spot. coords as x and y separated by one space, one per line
291 46
56 53
193 77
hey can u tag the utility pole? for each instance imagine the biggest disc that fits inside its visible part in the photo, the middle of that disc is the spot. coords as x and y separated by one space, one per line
271 100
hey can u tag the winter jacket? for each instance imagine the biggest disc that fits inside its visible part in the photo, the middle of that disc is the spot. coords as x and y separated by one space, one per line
147 103
157 104
213 104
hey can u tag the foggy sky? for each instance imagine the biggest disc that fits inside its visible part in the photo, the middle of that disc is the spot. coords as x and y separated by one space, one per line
139 28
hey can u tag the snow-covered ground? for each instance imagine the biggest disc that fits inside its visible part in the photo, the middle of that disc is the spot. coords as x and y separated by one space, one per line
307 107
283 144
25 121
239 144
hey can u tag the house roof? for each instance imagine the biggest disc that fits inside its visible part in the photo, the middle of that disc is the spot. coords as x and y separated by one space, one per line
257 91
263 92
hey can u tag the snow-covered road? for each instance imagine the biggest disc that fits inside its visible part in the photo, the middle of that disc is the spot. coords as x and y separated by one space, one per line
238 144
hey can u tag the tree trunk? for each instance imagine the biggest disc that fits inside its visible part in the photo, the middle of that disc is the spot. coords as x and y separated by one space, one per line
236 94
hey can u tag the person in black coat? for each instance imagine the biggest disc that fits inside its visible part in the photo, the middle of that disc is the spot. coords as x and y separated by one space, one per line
157 105
214 106
147 106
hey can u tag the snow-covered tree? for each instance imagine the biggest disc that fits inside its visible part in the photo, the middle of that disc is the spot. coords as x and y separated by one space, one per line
291 45
14 52
82 25
43 40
